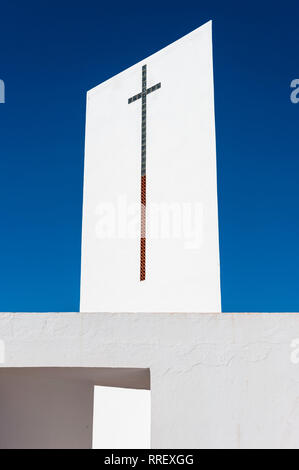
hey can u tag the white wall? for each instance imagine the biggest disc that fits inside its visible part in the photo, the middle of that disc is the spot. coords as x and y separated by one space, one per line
121 418
182 262
216 380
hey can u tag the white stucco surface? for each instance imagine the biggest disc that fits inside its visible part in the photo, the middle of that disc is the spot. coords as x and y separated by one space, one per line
217 380
182 248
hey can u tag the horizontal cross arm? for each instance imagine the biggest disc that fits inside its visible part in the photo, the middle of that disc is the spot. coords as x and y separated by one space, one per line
134 98
139 95
153 88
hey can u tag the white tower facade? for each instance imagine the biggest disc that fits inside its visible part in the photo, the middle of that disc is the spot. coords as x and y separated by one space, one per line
150 219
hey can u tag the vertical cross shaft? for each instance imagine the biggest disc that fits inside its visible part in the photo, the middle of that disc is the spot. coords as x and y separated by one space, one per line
143 179
145 91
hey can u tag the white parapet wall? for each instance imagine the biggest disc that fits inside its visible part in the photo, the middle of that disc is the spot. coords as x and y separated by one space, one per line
217 380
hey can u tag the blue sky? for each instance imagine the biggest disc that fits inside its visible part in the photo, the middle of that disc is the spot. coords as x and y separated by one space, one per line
52 52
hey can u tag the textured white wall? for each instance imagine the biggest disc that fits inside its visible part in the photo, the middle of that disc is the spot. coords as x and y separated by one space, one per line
182 262
217 380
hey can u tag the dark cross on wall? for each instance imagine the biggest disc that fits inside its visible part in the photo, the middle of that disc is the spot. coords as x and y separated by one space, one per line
145 91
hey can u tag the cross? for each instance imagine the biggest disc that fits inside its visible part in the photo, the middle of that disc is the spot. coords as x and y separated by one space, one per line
145 91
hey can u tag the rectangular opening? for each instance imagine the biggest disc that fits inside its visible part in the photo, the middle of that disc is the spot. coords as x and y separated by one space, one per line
52 407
